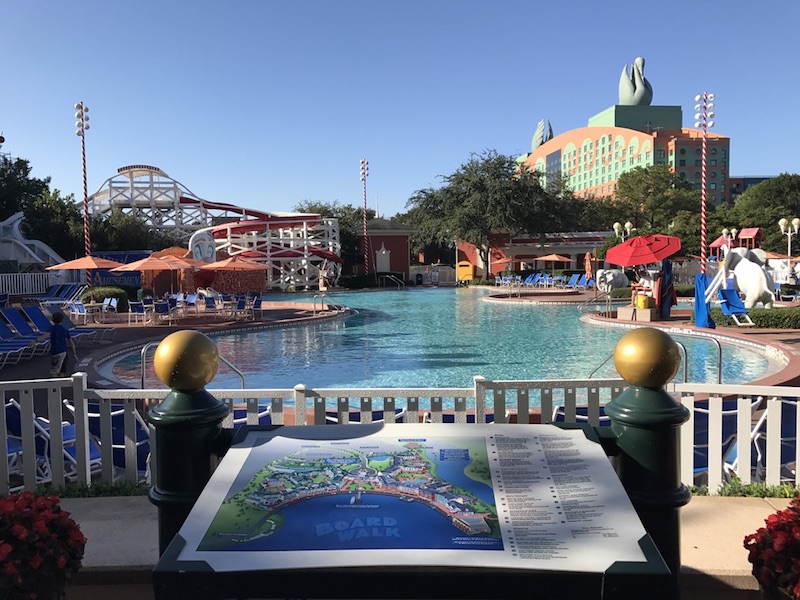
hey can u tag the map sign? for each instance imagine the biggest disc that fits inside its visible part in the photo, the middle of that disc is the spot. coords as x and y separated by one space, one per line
529 497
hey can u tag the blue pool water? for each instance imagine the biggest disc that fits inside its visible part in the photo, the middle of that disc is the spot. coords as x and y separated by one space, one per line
439 337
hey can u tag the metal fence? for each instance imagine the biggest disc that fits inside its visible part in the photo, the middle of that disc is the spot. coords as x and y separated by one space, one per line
103 428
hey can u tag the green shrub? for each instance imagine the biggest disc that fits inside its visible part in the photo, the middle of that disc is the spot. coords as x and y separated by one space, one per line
99 489
735 487
100 292
767 318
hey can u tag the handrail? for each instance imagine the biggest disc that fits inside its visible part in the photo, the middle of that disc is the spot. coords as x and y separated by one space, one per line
148 345
331 304
390 277
685 357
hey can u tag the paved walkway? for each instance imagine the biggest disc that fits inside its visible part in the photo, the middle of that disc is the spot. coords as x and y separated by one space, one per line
712 531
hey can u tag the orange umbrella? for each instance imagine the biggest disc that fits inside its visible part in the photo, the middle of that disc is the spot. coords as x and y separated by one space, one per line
234 263
151 263
87 262
554 258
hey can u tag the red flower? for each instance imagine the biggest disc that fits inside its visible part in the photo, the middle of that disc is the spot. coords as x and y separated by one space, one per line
774 551
41 546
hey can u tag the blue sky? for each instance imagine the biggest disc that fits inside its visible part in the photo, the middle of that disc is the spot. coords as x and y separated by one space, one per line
266 104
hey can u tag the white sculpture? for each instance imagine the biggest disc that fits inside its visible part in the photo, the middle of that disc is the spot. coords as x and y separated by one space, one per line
610 279
750 276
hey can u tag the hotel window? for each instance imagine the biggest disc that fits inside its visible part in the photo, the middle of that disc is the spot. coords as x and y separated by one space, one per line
682 162
697 175
697 151
713 174
647 156
724 154
713 162
712 186
683 150
631 161
713 151
683 174
697 163
660 153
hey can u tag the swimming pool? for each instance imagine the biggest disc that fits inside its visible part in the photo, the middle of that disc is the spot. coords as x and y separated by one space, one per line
439 337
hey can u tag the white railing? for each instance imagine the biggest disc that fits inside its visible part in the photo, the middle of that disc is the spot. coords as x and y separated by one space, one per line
26 284
759 416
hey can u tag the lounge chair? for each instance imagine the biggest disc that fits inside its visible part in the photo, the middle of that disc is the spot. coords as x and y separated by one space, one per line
242 416
729 438
240 310
120 431
581 415
450 417
42 430
256 308
788 441
332 417
137 312
3 299
10 340
573 281
732 306
42 324
163 312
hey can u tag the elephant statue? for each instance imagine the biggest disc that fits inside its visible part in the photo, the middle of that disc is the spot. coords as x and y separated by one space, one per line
610 279
750 276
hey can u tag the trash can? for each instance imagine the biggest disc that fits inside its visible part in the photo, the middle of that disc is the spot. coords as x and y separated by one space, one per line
418 278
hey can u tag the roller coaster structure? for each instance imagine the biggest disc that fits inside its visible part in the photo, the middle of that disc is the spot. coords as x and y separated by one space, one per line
296 246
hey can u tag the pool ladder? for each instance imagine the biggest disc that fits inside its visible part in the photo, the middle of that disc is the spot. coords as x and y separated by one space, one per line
330 303
685 357
149 345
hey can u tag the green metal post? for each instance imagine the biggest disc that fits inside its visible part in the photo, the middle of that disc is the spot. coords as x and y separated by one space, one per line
187 436
645 427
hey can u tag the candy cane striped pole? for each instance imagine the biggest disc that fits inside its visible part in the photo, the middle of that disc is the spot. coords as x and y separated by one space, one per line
81 125
364 173
703 120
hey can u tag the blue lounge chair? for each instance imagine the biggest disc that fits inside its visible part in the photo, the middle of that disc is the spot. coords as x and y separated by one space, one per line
573 281
42 429
732 306
788 445
137 312
42 324
118 436
581 415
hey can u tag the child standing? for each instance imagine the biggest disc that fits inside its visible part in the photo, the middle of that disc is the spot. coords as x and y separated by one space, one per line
59 339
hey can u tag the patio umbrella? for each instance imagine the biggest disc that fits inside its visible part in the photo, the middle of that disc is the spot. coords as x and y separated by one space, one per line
87 262
150 263
643 250
234 263
554 258
587 265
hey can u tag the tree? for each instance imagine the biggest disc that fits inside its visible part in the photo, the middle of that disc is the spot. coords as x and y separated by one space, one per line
488 194
17 188
120 231
350 218
654 196
55 220
763 205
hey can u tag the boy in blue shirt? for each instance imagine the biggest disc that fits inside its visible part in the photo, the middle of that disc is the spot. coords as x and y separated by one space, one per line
59 338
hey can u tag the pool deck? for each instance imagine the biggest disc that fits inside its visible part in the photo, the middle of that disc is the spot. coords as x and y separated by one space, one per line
712 528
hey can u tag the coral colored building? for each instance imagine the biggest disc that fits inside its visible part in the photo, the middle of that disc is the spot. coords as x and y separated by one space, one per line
622 138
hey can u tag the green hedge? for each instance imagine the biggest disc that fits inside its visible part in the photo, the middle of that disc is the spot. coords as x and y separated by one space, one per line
99 293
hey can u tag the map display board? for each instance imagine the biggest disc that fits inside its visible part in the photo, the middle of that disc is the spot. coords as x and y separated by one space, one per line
529 497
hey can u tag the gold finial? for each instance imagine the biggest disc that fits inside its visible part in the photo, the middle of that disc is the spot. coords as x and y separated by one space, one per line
186 360
647 357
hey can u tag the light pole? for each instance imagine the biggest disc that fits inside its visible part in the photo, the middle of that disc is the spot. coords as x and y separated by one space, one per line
364 174
81 125
703 119
623 231
789 232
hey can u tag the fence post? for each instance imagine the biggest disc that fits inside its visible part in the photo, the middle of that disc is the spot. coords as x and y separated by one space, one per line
645 428
187 434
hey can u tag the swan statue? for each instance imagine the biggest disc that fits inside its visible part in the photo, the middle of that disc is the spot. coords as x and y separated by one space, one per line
634 89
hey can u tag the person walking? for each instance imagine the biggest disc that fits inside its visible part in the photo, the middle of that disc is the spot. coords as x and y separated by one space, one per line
59 340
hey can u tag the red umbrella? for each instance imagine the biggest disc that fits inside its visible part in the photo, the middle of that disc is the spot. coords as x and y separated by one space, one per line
644 249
